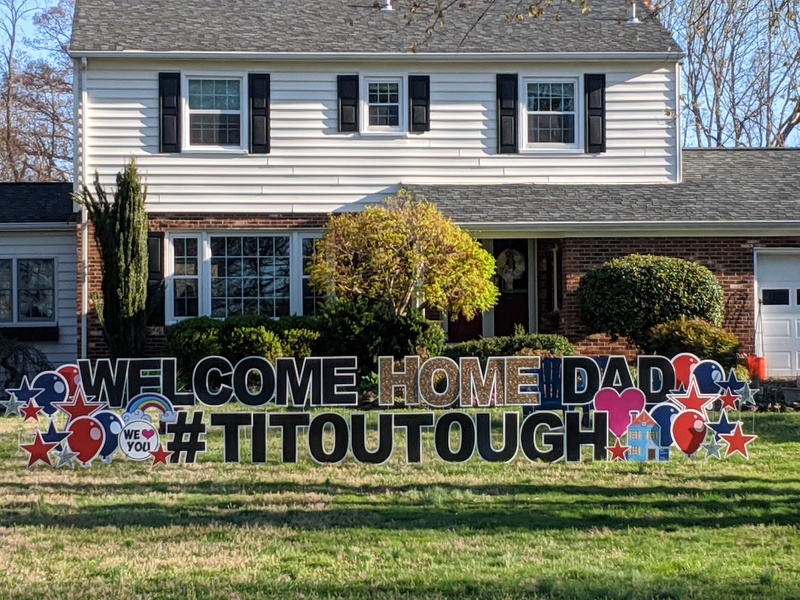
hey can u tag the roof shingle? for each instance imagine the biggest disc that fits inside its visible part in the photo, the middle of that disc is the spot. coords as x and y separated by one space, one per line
36 203
720 185
353 26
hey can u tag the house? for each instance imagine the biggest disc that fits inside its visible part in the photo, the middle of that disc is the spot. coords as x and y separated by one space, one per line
38 268
644 435
556 140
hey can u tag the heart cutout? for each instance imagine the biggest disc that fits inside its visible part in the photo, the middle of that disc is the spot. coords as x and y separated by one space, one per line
148 433
619 407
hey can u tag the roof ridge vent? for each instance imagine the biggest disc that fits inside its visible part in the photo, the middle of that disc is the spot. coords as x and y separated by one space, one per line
387 6
633 18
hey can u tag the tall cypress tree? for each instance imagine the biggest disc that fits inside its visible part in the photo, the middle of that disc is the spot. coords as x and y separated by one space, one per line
120 229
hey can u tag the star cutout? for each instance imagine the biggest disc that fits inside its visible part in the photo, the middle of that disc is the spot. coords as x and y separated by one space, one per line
38 450
31 411
25 393
53 436
12 406
746 396
79 407
712 448
693 399
723 426
617 451
737 441
66 457
160 456
728 400
733 384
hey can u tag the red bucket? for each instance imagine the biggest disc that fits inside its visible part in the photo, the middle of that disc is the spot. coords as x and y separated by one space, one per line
757 365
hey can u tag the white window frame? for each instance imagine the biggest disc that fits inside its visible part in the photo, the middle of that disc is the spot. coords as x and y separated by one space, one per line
170 299
15 320
204 254
402 80
186 113
526 147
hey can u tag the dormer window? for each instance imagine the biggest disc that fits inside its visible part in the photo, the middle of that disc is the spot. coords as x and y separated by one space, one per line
215 113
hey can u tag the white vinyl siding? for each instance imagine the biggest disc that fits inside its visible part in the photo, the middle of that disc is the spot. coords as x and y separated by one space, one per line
61 249
312 167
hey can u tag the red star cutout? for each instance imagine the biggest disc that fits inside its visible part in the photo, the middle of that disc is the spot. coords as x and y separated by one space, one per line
38 450
31 411
617 451
693 399
737 441
160 455
79 407
729 400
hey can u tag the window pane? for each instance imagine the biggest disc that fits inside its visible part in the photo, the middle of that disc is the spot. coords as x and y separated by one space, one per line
253 270
215 130
775 297
214 94
6 313
36 296
384 104
546 129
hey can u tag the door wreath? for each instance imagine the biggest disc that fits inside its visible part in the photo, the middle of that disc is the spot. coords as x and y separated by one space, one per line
510 267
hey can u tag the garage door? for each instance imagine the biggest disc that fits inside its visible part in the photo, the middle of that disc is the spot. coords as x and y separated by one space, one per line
778 320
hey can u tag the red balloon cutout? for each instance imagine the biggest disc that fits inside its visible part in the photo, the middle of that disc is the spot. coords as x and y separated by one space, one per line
73 376
688 431
684 364
87 438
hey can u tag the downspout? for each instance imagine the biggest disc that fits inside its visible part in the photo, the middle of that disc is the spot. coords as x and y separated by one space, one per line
678 118
81 112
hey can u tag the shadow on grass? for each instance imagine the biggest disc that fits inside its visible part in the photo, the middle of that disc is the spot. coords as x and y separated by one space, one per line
443 506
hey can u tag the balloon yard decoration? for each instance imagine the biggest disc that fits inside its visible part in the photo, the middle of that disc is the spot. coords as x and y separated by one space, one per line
99 411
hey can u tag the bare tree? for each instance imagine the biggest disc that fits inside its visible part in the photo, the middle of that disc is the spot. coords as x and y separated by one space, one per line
741 70
35 92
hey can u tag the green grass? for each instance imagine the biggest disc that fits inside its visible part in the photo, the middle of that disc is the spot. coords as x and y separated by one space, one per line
704 529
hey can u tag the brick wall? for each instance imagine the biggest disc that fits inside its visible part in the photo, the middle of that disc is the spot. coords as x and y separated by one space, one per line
730 259
97 346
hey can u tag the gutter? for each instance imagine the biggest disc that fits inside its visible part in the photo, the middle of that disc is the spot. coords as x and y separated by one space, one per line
28 227
386 56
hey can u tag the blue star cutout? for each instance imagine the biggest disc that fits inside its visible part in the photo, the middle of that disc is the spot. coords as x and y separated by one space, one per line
55 437
723 426
25 393
733 384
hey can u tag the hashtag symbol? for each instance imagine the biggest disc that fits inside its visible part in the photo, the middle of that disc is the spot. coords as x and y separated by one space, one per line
188 437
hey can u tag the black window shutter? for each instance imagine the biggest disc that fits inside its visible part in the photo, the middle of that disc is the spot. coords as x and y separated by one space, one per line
155 278
258 90
169 92
419 100
595 90
507 114
348 102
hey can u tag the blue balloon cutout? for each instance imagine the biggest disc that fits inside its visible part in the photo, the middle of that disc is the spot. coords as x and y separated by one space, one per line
55 389
708 374
663 414
112 425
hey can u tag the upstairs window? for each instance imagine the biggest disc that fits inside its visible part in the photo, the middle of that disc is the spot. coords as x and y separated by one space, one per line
215 113
386 104
550 114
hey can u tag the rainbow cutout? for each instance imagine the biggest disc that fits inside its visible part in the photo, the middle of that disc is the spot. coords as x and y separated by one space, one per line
147 401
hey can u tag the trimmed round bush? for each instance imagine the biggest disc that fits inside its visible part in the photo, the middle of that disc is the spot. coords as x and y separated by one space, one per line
629 296
191 340
702 339
367 329
240 342
300 343
538 344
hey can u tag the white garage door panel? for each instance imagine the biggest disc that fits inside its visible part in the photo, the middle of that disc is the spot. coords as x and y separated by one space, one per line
778 329
778 320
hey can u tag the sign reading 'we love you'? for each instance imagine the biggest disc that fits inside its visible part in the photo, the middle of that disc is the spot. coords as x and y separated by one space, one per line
571 408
